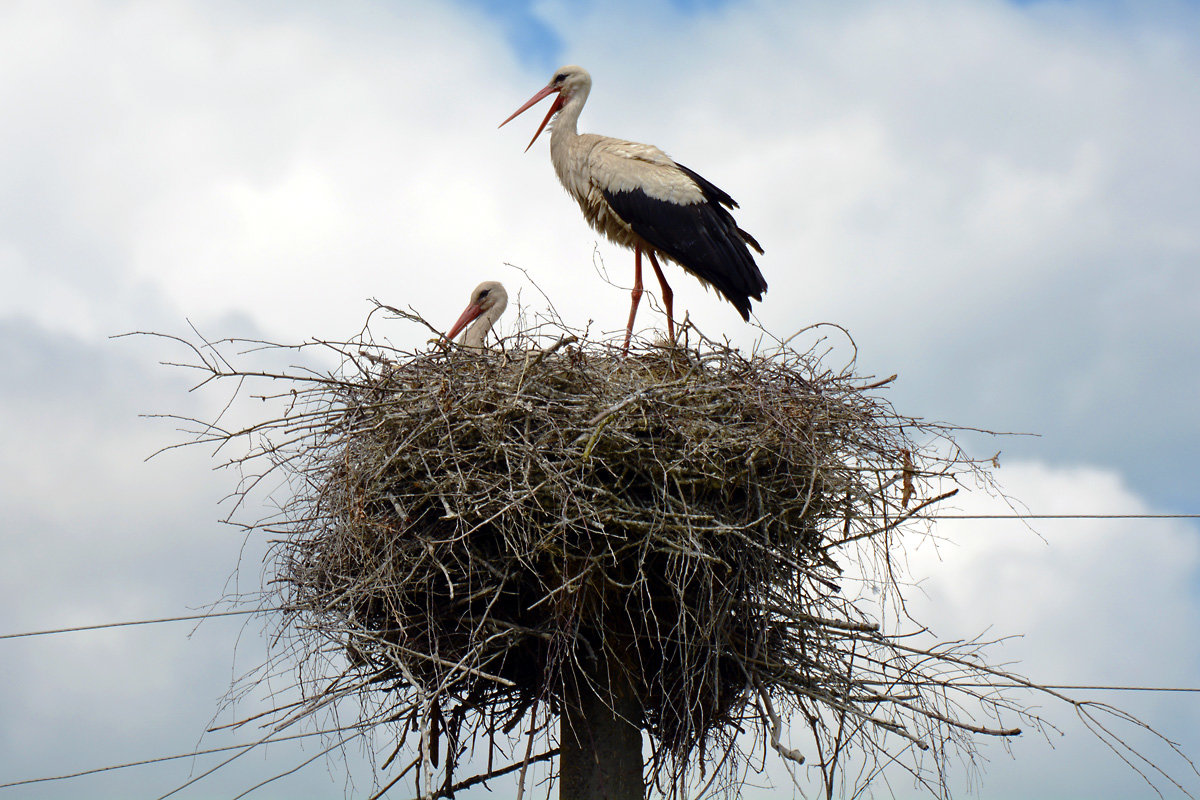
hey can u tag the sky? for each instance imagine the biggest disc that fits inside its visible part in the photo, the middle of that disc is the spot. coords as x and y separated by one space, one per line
998 201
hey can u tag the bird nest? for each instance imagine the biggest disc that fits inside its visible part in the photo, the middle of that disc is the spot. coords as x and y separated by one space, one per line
471 534
479 522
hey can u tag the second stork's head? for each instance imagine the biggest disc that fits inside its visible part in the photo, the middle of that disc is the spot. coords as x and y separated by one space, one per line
569 83
488 302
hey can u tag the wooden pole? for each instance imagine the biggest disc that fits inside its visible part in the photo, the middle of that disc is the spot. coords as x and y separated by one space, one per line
601 740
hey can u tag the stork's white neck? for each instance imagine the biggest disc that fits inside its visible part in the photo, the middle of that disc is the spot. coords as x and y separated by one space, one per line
566 122
477 333
568 159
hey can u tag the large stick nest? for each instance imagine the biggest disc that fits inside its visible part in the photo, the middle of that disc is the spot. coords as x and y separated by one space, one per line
469 535
674 516
480 529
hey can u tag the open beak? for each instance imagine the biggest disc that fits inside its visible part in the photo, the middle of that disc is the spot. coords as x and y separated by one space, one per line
555 107
472 311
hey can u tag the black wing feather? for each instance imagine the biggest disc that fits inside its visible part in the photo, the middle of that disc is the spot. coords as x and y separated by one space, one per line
703 238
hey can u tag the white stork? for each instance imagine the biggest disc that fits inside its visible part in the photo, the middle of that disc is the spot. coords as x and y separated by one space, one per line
488 302
637 196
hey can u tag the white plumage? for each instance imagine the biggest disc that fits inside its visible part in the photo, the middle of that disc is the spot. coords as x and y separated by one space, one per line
639 197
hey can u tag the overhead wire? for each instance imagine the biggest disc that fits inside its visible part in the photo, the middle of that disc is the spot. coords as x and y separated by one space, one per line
102 626
923 517
1052 516
128 623
161 759
242 612
289 737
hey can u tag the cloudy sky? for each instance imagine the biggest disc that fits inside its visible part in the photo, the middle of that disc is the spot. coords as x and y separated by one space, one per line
1000 201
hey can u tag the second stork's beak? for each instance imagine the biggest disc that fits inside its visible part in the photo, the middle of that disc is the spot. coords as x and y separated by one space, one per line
555 107
472 311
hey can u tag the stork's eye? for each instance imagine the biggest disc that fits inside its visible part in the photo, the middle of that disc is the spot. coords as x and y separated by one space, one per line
560 77
484 293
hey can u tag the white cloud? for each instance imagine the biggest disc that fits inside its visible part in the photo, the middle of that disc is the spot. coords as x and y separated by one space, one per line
975 177
998 201
1107 590
287 167
1092 601
1065 602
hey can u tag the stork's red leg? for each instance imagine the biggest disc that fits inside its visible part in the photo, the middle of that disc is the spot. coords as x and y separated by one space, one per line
667 295
636 294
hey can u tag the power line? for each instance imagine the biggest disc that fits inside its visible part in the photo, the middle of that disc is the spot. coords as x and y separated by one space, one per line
160 759
248 745
128 623
1081 687
1051 516
101 626
924 517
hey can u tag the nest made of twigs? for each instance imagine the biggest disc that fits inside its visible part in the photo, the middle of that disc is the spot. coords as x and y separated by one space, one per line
484 527
470 538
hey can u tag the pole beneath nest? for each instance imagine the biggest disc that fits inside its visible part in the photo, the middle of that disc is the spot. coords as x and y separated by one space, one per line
601 739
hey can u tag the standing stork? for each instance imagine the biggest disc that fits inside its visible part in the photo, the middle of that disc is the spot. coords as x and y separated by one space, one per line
637 196
488 302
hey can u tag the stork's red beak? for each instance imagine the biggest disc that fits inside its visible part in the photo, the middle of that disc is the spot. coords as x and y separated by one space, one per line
472 311
555 107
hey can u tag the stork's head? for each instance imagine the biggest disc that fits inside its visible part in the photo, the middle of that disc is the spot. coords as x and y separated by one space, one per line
568 82
488 298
